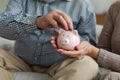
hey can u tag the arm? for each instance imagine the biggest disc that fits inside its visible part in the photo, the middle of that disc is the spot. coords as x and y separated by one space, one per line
86 26
108 59
105 58
111 76
15 22
105 37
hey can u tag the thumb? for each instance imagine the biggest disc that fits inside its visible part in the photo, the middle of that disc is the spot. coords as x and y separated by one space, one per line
56 31
77 47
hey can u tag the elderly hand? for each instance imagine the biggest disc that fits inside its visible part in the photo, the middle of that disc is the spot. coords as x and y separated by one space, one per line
84 48
54 19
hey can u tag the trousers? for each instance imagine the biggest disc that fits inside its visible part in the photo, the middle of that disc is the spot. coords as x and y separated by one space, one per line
70 69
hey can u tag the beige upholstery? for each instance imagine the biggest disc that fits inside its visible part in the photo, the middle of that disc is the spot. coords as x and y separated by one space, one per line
30 76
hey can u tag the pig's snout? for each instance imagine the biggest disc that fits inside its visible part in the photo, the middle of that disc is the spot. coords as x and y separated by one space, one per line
65 41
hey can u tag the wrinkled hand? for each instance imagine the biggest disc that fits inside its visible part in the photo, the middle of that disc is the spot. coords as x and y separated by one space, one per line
84 48
54 19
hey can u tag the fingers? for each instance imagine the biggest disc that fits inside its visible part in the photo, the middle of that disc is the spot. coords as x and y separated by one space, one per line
77 47
67 19
56 31
81 50
53 23
83 45
61 19
62 22
54 19
48 19
75 54
78 53
53 42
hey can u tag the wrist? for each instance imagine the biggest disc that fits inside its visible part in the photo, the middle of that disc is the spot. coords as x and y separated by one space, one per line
95 52
39 22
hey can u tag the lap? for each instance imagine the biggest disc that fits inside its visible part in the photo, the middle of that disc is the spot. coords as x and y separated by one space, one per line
67 68
11 62
75 69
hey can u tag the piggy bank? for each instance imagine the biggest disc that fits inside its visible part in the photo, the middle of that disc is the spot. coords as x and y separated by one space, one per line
67 39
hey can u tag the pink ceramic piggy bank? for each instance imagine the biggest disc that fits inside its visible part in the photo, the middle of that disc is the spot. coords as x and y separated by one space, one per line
68 39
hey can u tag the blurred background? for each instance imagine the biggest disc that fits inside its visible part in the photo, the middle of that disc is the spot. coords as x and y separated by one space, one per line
100 6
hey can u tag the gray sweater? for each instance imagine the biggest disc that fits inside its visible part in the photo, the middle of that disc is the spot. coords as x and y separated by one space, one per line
109 42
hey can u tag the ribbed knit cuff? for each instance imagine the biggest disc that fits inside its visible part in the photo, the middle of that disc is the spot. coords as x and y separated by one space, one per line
109 60
101 56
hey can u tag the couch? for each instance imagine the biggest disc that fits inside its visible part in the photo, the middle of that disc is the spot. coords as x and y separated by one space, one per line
8 45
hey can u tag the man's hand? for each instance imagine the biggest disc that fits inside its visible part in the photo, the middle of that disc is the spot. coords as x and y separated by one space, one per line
54 19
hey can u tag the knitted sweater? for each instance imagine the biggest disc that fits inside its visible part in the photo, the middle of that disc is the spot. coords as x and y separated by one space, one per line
109 42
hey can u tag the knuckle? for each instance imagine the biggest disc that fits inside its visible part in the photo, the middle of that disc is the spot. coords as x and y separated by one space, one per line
60 16
56 10
53 12
55 24
46 16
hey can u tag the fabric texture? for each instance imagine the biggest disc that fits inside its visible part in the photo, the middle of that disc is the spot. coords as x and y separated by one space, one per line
30 76
109 42
74 68
9 62
33 44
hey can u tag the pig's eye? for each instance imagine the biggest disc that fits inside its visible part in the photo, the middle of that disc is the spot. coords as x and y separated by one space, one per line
63 35
67 35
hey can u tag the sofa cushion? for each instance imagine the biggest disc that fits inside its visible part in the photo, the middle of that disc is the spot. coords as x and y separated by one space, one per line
98 30
30 76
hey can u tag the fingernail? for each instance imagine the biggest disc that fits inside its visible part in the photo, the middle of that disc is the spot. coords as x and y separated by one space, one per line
67 28
71 27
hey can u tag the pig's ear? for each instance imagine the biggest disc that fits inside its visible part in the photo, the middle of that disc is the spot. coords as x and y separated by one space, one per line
61 31
75 32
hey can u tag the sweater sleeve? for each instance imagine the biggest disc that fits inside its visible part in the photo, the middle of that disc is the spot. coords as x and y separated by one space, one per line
109 60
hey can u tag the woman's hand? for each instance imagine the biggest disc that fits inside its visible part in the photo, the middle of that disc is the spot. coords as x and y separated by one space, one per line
84 48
